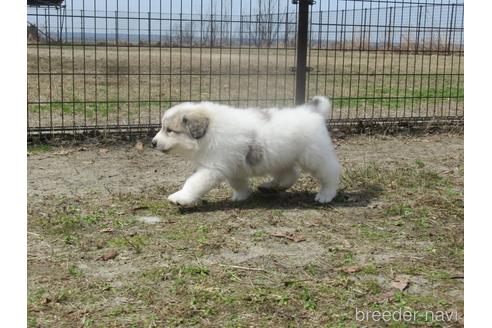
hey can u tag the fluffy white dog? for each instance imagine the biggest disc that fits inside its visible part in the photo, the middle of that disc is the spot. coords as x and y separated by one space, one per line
232 144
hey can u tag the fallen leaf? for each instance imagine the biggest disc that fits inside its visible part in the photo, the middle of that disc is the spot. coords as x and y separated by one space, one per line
63 152
387 296
139 145
106 230
103 150
46 300
109 255
289 236
376 205
352 269
345 243
400 283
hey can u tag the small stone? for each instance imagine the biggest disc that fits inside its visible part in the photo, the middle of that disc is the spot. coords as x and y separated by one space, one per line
149 219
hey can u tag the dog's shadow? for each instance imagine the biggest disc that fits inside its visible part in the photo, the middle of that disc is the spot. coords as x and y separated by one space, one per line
291 200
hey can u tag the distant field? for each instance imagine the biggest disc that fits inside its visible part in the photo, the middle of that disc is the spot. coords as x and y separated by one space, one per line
109 85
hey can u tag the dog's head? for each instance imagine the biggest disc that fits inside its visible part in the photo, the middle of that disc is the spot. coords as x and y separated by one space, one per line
182 128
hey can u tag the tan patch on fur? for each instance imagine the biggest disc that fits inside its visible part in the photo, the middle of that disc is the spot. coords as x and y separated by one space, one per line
255 154
196 122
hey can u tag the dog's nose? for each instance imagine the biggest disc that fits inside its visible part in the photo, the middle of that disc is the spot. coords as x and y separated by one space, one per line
154 143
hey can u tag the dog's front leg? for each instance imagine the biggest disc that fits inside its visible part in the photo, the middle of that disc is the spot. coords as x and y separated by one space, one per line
196 186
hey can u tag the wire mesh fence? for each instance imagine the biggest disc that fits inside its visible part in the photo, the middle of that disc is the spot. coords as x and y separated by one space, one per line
117 65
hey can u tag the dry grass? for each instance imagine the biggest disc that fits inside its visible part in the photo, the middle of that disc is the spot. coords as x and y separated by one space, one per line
117 86
398 216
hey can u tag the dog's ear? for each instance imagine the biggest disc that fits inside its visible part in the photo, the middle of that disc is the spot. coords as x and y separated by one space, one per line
196 123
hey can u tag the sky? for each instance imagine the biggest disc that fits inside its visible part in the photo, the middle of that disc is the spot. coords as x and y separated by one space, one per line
184 6
431 15
237 6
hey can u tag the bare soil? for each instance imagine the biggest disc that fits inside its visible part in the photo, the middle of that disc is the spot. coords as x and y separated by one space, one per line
392 238
121 168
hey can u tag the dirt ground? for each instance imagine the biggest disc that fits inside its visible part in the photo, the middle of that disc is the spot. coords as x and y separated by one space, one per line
106 249
121 168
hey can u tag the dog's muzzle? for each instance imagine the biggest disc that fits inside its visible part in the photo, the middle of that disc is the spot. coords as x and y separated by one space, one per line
154 143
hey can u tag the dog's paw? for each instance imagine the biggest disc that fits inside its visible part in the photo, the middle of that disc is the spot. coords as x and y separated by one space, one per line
240 195
325 197
182 198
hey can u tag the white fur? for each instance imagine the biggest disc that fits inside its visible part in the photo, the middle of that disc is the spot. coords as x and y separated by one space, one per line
290 139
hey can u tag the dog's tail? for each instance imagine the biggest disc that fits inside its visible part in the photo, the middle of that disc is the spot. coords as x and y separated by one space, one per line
321 105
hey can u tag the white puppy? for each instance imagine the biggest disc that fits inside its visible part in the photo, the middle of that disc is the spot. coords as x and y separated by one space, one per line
231 144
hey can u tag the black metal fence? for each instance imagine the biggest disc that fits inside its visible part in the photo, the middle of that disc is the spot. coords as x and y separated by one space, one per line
117 65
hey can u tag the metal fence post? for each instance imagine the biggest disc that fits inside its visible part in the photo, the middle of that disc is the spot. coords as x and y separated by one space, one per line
345 41
301 48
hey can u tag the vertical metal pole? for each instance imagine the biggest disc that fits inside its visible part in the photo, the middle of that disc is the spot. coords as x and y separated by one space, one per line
302 38
448 48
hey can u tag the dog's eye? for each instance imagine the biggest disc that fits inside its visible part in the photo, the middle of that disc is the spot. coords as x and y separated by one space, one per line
168 130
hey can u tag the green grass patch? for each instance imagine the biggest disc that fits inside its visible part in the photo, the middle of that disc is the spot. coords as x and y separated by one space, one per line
216 265
135 243
397 98
259 235
41 148
403 210
90 108
74 271
372 178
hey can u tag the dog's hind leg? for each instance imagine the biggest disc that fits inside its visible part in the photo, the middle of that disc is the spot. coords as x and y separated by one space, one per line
324 166
282 180
240 187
